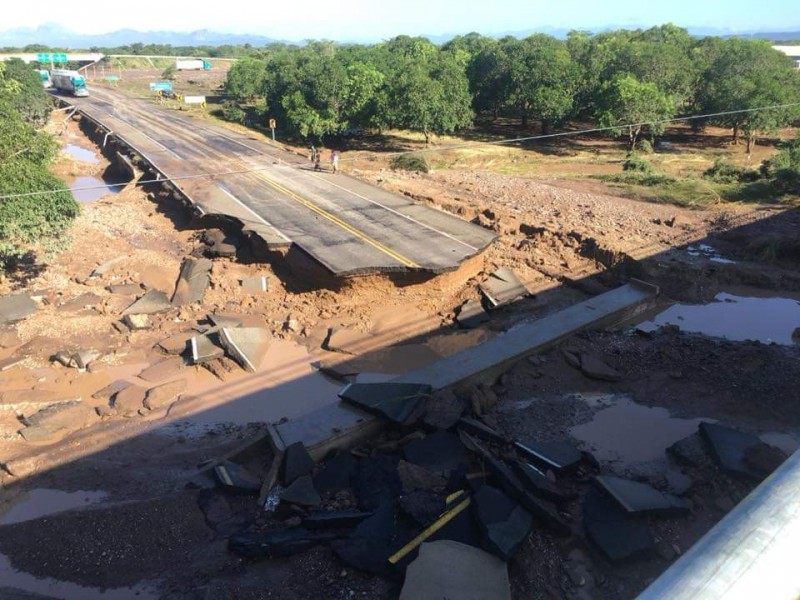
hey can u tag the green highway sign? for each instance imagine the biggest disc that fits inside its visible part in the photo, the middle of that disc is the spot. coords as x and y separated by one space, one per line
59 58
46 57
42 57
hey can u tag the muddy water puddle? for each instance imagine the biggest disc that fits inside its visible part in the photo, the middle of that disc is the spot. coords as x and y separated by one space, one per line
736 318
10 578
625 432
43 502
708 252
89 189
81 154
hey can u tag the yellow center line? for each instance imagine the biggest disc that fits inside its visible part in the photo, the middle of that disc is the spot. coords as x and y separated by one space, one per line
337 221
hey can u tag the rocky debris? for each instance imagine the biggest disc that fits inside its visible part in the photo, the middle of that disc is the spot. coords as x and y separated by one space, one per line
594 368
255 285
153 302
129 401
763 458
276 544
618 535
219 244
175 344
678 482
16 307
337 473
296 463
226 514
136 322
401 403
482 399
538 484
505 525
301 492
165 394
81 302
104 268
112 388
481 431
125 289
502 287
223 368
730 446
441 452
376 481
76 360
206 348
246 345
422 506
55 422
559 455
369 546
192 281
689 451
448 569
229 321
168 368
339 519
638 498
471 315
414 477
234 478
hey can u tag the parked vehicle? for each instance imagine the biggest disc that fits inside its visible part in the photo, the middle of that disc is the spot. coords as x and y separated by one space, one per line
45 76
69 81
192 64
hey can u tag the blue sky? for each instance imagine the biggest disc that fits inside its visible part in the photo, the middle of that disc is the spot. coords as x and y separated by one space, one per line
381 19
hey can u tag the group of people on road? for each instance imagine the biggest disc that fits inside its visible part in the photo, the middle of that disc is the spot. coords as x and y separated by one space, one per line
315 156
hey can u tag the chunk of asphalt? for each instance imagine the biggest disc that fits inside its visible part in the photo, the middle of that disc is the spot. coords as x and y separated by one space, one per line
504 523
165 394
413 477
296 463
206 348
58 420
276 544
153 302
689 451
559 455
338 519
229 321
168 368
236 479
137 322
225 514
471 315
729 447
175 344
376 481
246 345
255 285
443 410
302 493
337 473
348 341
540 509
401 403
764 458
192 281
595 368
481 430
640 498
617 534
129 400
538 484
502 287
441 452
369 545
448 569
422 505
16 307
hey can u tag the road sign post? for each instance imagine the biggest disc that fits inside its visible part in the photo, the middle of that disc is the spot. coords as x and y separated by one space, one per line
272 127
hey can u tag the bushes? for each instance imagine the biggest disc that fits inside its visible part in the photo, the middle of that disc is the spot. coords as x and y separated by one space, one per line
783 169
411 162
637 163
232 112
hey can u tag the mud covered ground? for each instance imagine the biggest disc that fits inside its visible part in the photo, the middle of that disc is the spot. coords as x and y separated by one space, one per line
150 531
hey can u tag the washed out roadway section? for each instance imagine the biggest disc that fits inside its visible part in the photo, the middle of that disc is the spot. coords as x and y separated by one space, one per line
348 226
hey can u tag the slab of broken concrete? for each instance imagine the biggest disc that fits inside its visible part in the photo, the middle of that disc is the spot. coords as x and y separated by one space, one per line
255 285
246 345
336 425
192 281
502 287
16 307
153 302
206 347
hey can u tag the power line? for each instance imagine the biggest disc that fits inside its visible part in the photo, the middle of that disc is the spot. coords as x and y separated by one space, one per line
426 150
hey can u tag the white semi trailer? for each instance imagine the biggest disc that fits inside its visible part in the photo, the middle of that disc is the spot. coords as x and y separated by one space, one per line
69 81
192 64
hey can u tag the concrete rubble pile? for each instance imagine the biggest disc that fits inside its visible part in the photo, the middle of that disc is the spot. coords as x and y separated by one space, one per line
383 505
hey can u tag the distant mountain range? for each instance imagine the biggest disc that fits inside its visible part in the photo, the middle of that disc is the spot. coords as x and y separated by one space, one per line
56 36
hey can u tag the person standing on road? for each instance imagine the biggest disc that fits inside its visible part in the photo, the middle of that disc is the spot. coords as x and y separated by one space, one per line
312 156
334 160
317 166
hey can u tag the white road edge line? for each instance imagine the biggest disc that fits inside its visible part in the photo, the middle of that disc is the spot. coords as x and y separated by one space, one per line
412 219
250 210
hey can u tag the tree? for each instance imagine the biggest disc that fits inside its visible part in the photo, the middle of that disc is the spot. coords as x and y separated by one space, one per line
749 75
246 79
30 100
629 105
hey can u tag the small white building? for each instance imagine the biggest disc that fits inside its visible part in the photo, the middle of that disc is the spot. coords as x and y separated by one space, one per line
792 52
